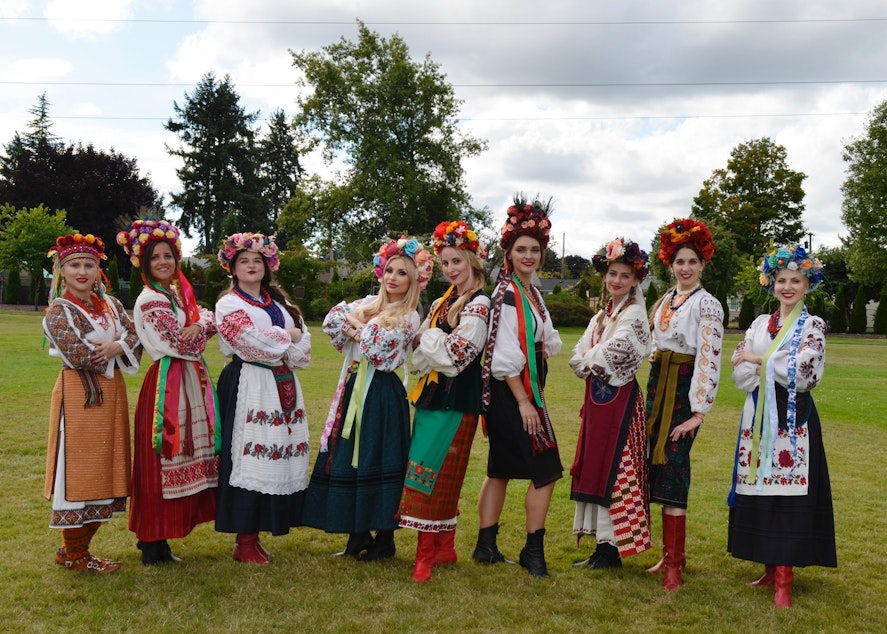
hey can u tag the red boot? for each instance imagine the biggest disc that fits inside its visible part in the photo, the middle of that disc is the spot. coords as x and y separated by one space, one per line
767 578
445 547
246 549
425 549
783 577
674 534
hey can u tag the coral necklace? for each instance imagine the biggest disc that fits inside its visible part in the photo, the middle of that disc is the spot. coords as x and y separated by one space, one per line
669 308
95 308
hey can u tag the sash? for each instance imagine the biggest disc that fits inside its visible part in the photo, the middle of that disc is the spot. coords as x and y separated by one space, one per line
666 388
285 381
351 424
166 437
432 375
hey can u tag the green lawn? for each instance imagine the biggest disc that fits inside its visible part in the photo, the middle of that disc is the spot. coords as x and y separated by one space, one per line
306 589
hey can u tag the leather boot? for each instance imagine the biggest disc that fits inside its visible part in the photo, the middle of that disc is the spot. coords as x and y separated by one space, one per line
674 535
605 556
357 543
246 549
486 551
782 580
767 578
425 550
532 556
382 548
659 565
445 547
156 552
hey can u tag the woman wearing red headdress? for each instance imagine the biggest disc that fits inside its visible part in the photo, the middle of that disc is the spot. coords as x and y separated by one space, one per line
175 470
521 338
88 462
688 330
447 356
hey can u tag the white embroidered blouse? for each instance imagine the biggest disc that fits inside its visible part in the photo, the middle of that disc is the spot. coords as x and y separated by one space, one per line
617 355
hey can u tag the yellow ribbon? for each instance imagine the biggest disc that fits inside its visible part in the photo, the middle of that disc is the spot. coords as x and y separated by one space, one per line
355 408
431 376
669 364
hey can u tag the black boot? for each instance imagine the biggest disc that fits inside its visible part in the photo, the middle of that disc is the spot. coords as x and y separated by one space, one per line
156 552
606 556
486 551
532 557
382 548
357 543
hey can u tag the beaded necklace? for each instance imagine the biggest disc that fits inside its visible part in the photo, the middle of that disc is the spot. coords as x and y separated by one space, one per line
99 314
264 302
773 324
669 309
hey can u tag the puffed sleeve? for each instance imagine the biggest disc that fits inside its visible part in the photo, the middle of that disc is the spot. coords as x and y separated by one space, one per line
745 374
250 343
707 369
451 353
336 325
617 359
207 322
810 360
387 349
508 358
161 332
577 358
298 355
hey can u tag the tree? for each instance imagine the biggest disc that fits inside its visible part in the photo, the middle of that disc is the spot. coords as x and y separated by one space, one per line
880 325
864 209
393 121
13 287
279 160
858 316
26 237
721 295
746 312
651 297
839 312
114 277
834 261
135 287
757 198
219 174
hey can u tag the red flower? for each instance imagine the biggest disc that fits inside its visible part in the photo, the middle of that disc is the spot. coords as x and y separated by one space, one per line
259 448
785 459
275 455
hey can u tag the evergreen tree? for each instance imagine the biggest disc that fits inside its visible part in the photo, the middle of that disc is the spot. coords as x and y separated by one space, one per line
880 325
858 318
722 298
746 312
13 287
114 277
839 312
652 296
135 286
279 159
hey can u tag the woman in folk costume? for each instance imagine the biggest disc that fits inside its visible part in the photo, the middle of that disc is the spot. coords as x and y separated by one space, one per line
263 467
781 500
610 469
688 329
447 398
175 469
521 338
88 461
358 477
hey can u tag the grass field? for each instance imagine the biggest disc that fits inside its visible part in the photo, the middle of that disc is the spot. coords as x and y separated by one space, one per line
305 589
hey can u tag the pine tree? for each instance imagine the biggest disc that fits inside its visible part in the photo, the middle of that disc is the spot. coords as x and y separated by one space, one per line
13 287
114 278
880 326
135 286
746 312
722 298
839 312
652 296
858 317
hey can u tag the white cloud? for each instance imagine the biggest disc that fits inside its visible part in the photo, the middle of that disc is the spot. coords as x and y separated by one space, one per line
35 69
87 18
10 9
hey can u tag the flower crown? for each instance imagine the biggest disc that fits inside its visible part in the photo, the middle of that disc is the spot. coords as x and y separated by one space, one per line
255 242
685 232
143 232
525 219
77 245
405 247
456 234
793 258
624 251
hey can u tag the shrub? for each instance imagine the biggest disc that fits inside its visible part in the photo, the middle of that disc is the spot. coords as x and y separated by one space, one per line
880 326
568 313
652 296
858 318
746 312
839 312
13 288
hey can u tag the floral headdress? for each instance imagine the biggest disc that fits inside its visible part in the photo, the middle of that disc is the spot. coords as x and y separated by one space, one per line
624 251
793 258
456 234
525 219
143 232
69 247
255 242
685 232
405 247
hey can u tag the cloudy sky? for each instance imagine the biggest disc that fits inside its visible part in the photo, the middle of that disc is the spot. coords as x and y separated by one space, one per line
619 110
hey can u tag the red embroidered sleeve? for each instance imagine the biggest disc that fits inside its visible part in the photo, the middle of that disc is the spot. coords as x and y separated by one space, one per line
159 316
232 330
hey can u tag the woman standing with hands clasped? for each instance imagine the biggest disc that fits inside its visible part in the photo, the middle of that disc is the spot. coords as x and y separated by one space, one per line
447 398
175 470
610 468
781 501
263 465
521 338
688 330
358 477
89 457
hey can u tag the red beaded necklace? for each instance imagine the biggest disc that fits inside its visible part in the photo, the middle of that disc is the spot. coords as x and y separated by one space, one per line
95 308
773 324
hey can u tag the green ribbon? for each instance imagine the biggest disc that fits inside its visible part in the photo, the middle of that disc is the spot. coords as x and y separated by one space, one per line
355 407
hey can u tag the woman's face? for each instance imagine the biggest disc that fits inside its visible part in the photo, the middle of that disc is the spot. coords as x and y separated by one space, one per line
525 256
790 287
620 279
249 268
162 265
456 267
687 267
79 276
396 279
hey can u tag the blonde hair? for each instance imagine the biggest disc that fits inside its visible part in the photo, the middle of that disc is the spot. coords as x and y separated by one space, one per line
394 315
478 281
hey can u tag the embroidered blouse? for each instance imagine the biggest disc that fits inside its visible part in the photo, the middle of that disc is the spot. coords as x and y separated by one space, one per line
450 350
160 329
508 359
696 328
617 355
